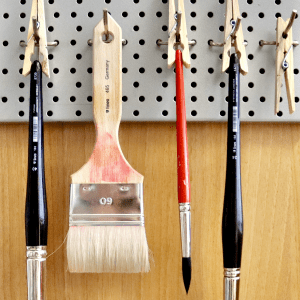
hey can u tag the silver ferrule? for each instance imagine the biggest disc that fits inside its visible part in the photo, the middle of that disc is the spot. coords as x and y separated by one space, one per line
185 227
36 272
106 204
231 283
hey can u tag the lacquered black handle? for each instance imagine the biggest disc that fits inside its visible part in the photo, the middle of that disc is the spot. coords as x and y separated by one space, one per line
232 226
36 216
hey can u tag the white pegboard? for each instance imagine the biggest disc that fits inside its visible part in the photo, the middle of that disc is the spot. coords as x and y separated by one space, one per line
148 86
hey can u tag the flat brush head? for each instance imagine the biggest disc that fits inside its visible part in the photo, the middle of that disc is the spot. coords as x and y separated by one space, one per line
186 272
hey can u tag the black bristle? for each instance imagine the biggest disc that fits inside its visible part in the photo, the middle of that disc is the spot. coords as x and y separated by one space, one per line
186 272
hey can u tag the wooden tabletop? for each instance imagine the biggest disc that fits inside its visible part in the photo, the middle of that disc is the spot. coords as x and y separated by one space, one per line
271 199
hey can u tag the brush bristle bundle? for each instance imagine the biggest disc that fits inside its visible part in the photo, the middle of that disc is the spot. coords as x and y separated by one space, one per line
107 249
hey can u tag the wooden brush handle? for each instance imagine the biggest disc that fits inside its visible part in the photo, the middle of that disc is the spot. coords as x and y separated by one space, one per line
182 147
107 163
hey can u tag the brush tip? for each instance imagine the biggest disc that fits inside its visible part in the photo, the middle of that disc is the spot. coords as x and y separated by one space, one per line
186 272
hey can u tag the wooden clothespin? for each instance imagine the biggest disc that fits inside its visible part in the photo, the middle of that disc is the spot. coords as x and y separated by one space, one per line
234 37
37 36
178 34
284 60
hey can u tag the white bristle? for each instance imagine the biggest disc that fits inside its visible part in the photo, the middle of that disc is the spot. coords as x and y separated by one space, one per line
107 249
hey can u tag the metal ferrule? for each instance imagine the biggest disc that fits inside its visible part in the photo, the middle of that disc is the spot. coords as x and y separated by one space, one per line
185 227
36 272
231 283
106 204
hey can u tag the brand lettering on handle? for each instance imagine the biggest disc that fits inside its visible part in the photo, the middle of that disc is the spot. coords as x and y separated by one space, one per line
106 201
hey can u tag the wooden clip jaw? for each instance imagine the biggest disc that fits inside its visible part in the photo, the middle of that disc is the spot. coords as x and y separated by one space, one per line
37 11
233 13
184 44
284 47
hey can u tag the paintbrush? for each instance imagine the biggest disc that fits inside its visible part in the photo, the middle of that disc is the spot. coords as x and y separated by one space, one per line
36 217
232 226
107 232
183 173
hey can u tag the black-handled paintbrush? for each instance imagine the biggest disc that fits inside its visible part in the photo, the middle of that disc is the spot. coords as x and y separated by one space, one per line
232 226
36 218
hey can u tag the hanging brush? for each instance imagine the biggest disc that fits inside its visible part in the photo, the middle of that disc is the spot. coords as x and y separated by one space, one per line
232 227
107 232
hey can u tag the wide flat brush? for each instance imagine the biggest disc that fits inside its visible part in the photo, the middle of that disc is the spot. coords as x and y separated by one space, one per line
232 227
36 217
107 232
183 173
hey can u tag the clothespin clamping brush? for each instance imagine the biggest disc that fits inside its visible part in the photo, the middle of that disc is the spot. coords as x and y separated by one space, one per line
284 60
37 38
233 37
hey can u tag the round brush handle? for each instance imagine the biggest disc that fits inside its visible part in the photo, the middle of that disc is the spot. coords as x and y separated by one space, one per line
182 145
107 76
36 217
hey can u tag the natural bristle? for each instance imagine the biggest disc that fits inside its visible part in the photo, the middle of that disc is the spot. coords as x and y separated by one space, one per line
107 249
186 272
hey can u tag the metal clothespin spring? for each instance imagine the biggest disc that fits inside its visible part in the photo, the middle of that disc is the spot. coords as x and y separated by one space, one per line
174 27
285 64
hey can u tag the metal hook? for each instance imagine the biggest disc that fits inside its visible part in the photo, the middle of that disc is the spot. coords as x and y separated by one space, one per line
290 24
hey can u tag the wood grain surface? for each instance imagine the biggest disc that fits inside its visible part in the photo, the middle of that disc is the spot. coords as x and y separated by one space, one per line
271 193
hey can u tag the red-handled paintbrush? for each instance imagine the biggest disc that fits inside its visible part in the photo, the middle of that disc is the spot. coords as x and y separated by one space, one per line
183 173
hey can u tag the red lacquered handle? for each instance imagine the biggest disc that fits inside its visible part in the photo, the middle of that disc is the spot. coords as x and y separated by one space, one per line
182 148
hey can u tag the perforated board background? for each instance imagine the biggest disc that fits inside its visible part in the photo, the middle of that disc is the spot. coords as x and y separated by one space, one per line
148 85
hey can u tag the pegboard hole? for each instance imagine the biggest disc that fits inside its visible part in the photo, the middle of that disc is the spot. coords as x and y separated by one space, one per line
222 84
21 113
21 99
262 71
222 113
165 56
107 1
4 99
50 85
79 28
142 42
164 28
174 99
90 14
296 99
159 98
51 1
49 113
193 1
261 15
251 85
22 15
193 14
50 56
245 99
5 43
22 29
90 70
159 14
124 98
221 56
165 84
89 98
142 70
165 113
55 70
142 14
221 28
50 28
250 28
244 15
226 99
211 99
211 70
280 100
279 114
142 98
193 98
194 113
278 15
23 2
249 1
73 42
221 1
296 71
193 28
73 14
78 113
6 16
251 113
136 56
73 70
78 56
124 14
72 98
78 84
124 70
56 15
158 70
136 84
4 71
21 85
21 71
278 2
193 70
136 113
136 28
55 99
210 14
194 84
250 56
193 56
262 99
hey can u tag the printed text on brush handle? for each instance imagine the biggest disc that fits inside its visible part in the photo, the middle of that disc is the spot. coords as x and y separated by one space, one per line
232 230
36 218
182 145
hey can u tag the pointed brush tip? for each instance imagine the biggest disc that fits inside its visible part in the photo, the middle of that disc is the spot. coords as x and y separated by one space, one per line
186 272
